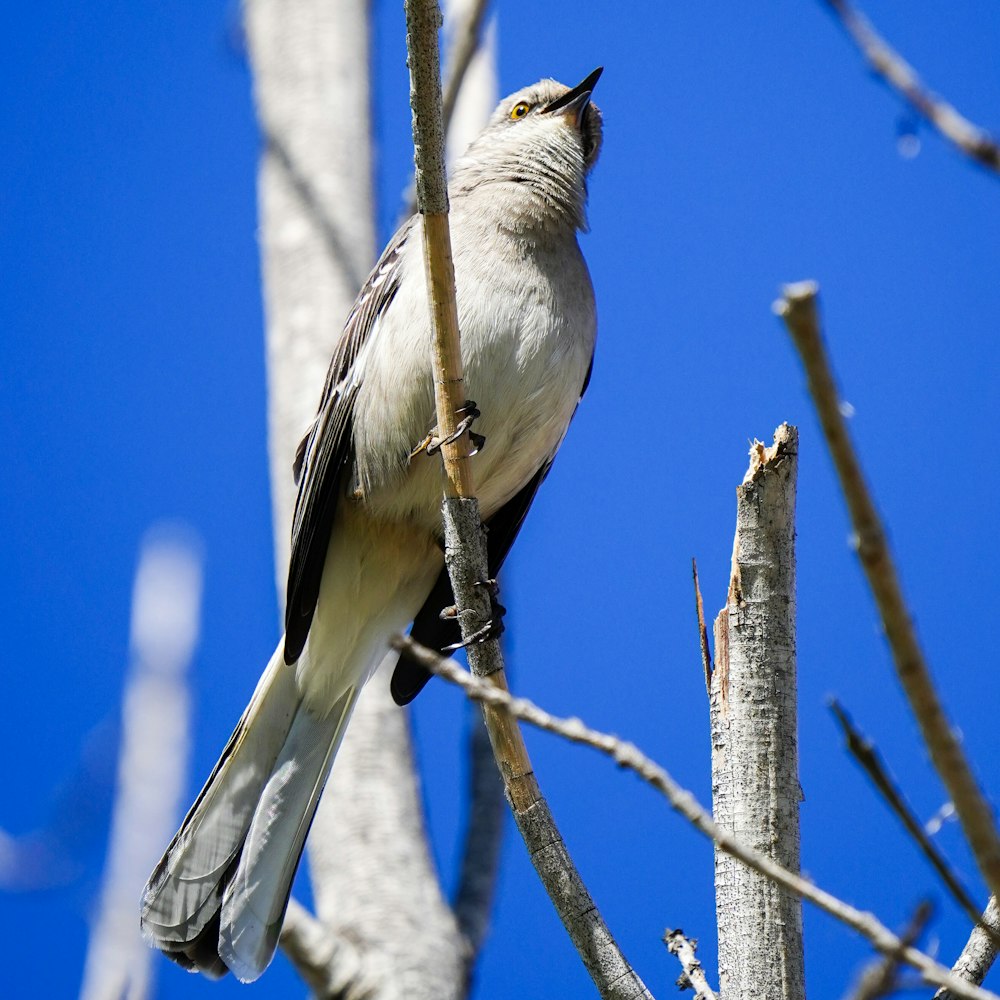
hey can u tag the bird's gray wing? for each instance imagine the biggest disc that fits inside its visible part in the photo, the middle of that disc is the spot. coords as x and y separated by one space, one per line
429 628
324 458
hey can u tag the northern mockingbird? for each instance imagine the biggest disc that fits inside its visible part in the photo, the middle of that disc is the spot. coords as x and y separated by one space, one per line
366 539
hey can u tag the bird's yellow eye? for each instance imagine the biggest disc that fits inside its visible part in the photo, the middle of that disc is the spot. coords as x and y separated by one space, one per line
520 110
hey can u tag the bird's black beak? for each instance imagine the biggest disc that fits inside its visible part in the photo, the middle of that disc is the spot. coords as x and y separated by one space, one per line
574 102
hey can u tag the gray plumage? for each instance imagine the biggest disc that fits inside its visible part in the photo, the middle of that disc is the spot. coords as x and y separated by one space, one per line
366 556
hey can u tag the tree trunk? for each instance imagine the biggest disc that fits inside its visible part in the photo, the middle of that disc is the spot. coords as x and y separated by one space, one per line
755 783
369 858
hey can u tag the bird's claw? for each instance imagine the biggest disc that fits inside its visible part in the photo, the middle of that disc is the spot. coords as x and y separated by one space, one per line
432 444
492 629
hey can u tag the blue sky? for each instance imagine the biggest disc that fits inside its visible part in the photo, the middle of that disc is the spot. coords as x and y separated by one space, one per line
744 148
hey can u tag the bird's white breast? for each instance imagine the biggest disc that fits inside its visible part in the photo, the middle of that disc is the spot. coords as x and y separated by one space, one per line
527 326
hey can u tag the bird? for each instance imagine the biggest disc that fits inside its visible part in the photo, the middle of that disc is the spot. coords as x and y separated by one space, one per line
367 554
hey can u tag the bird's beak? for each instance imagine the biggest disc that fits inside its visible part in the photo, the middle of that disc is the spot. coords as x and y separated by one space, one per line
574 102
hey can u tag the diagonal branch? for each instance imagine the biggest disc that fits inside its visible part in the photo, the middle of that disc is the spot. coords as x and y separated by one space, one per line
979 952
975 142
868 757
465 553
330 964
627 755
881 978
798 309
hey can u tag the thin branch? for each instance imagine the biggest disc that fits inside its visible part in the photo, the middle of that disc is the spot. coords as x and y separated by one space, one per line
798 309
868 757
628 756
466 40
693 975
978 954
423 19
699 607
881 978
465 552
329 964
975 142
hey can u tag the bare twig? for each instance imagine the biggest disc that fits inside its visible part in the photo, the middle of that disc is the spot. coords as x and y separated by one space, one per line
975 142
978 954
866 754
628 756
466 39
329 964
798 309
693 975
699 607
881 978
465 553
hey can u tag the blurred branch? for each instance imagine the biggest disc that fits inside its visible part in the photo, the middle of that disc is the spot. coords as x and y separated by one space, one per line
868 757
978 954
798 309
628 756
483 838
313 208
881 978
465 41
152 766
973 141
693 975
465 553
330 964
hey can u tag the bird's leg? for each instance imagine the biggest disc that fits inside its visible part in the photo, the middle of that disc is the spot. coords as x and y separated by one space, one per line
494 626
433 444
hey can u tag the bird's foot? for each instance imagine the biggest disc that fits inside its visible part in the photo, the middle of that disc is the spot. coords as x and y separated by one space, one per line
433 444
494 626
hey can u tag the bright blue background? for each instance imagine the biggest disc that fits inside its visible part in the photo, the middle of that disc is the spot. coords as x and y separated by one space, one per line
744 148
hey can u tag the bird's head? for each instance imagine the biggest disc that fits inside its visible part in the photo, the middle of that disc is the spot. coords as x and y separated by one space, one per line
543 141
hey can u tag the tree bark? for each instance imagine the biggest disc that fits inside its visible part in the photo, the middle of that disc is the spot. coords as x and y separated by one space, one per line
978 954
755 783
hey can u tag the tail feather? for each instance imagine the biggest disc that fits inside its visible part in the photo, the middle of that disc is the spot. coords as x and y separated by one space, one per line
255 900
181 903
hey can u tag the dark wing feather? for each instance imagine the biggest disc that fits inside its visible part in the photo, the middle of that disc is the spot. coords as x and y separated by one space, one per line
429 629
326 454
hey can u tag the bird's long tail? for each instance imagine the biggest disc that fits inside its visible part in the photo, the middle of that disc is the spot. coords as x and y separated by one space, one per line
217 898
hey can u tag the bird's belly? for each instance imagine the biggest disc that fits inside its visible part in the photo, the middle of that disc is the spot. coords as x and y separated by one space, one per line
526 387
